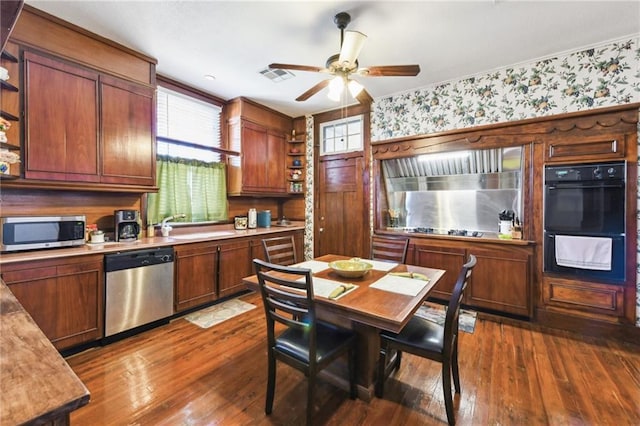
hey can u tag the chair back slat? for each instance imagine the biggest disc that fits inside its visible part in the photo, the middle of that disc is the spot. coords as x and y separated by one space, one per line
287 294
280 250
389 249
453 310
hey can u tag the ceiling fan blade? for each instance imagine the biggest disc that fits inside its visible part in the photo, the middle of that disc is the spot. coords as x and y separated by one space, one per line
296 67
364 97
351 47
315 89
391 71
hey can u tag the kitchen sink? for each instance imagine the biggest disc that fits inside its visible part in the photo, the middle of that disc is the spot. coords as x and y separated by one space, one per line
200 235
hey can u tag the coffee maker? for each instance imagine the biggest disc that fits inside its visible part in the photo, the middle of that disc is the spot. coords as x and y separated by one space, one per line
127 225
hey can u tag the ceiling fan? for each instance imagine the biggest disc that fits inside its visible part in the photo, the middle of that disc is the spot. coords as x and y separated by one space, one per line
345 64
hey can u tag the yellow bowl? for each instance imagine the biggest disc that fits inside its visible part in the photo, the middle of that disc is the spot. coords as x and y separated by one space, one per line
352 268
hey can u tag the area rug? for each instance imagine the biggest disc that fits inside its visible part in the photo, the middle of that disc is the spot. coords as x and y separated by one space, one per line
208 317
435 313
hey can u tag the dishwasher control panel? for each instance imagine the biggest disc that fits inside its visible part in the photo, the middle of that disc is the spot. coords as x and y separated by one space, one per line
138 258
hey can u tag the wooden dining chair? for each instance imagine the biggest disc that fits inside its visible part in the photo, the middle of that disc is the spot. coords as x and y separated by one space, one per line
389 249
306 344
429 340
280 250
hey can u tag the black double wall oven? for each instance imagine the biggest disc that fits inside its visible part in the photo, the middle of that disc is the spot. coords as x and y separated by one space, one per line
584 221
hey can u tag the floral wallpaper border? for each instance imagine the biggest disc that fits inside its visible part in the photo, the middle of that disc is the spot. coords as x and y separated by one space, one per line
604 75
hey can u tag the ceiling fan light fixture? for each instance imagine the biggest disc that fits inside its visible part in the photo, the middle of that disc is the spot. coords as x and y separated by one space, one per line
336 86
354 88
351 47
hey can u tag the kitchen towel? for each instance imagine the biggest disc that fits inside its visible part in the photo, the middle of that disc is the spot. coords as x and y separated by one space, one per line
583 252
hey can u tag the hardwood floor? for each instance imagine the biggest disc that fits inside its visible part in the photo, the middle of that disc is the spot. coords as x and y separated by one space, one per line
180 374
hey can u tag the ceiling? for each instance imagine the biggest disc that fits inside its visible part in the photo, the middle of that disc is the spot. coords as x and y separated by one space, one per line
234 40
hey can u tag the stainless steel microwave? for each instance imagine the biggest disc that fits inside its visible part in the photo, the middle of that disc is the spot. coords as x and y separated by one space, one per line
41 232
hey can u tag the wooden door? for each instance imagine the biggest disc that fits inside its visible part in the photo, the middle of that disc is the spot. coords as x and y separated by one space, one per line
342 220
128 142
61 120
276 162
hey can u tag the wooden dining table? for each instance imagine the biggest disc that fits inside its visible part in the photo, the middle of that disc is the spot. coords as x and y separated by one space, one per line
381 301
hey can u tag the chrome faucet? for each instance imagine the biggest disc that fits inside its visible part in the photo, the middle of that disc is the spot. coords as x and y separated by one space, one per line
164 228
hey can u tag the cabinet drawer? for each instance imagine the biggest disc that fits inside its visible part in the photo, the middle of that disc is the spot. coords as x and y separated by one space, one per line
597 298
587 148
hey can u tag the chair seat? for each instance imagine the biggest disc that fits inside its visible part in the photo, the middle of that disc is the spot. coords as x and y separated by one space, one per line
419 333
331 339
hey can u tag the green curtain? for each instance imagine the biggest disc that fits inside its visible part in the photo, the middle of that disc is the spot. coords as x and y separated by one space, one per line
192 187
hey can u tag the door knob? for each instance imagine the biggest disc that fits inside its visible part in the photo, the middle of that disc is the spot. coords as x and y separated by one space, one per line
321 230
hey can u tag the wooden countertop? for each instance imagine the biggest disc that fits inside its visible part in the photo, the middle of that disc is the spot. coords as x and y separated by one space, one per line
36 383
178 236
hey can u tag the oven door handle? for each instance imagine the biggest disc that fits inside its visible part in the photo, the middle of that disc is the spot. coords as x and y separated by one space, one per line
574 186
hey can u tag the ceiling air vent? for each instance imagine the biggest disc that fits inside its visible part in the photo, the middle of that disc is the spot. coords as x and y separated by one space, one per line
276 74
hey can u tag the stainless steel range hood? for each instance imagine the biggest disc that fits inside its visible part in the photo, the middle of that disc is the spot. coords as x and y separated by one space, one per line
460 190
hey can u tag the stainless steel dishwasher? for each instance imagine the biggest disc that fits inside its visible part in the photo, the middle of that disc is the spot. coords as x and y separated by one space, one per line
138 288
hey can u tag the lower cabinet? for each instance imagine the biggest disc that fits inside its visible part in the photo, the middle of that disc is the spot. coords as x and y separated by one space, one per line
583 297
65 297
196 268
234 264
501 280
208 271
449 259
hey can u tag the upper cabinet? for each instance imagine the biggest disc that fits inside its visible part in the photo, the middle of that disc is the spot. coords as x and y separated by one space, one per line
127 139
61 120
258 134
88 106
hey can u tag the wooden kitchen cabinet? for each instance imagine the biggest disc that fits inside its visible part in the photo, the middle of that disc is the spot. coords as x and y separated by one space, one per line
587 148
99 128
234 263
262 161
65 297
196 269
127 139
61 120
450 259
501 280
259 135
586 298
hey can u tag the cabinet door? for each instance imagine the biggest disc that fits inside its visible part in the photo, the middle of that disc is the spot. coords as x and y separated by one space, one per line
276 154
254 157
234 264
65 300
263 159
61 120
501 281
195 275
450 259
127 140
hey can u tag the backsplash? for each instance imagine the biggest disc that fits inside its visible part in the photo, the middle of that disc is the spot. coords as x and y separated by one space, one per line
601 76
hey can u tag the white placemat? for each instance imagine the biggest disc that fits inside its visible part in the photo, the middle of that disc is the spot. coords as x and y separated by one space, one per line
315 265
323 287
381 265
400 285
